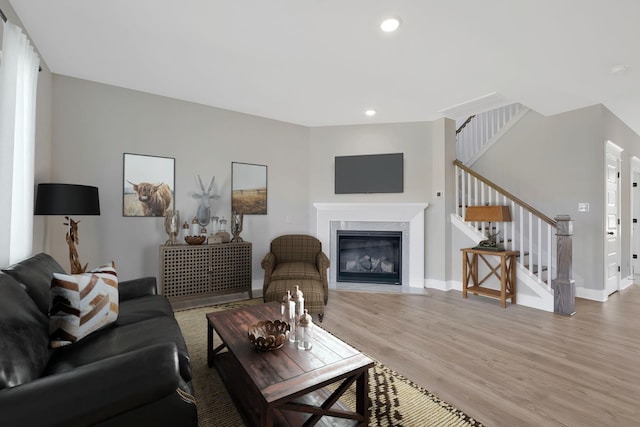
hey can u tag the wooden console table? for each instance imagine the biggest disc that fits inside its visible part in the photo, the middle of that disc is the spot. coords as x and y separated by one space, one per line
191 273
505 271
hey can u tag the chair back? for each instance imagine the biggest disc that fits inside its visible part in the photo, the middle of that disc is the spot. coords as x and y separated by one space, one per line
296 248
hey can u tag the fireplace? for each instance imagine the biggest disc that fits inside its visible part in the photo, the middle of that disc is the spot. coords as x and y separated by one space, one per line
407 218
369 256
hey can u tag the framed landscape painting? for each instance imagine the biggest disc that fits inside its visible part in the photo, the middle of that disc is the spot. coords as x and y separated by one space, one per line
148 185
249 188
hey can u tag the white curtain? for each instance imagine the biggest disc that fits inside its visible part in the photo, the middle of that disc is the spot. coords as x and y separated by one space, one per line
18 84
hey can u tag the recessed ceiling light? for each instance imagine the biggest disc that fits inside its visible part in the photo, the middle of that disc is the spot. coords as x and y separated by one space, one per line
370 113
390 24
618 69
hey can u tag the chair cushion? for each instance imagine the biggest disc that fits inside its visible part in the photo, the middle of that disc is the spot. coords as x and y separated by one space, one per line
36 273
295 270
82 303
24 346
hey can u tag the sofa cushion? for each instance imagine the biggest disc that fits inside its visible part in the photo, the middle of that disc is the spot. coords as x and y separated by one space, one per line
24 343
36 273
82 303
113 341
143 308
295 270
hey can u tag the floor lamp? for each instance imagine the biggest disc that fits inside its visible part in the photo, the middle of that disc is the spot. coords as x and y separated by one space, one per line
68 199
488 214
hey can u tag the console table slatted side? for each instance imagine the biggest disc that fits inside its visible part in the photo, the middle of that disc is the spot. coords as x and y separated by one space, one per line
189 273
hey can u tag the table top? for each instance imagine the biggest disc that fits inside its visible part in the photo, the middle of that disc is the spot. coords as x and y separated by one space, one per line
477 250
279 374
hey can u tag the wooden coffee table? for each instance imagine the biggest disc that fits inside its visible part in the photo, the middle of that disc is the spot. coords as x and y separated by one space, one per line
287 386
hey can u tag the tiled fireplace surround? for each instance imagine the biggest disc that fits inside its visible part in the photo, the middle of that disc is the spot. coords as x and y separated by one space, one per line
405 217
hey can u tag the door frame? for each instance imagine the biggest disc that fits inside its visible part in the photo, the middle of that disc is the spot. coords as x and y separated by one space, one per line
614 151
634 208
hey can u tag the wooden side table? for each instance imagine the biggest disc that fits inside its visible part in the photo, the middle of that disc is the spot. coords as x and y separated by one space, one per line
505 271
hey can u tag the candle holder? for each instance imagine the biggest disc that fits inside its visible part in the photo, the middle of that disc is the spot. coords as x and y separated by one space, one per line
172 226
236 226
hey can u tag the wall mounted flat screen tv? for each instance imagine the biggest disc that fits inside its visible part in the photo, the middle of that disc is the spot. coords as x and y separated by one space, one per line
375 173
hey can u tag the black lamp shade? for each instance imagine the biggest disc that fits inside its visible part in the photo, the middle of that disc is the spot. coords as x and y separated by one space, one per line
67 199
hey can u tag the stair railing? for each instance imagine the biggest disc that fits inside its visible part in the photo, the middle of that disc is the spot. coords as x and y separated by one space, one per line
480 129
531 233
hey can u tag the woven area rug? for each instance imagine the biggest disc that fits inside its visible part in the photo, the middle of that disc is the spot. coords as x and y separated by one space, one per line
395 401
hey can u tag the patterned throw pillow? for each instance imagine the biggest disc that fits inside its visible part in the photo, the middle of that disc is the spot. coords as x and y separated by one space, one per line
81 304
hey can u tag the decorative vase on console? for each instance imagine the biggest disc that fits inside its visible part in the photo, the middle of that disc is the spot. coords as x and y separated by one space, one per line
222 232
236 226
172 226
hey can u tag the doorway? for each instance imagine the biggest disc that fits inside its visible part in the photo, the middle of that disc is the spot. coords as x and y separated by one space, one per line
612 218
635 217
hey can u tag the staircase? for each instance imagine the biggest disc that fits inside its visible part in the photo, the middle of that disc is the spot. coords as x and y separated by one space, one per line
531 233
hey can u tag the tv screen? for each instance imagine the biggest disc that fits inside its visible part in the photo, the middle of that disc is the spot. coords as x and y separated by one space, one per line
375 173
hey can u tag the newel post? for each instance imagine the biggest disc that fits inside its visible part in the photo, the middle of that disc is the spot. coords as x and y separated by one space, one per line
564 287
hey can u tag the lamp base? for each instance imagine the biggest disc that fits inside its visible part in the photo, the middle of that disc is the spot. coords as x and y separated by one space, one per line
72 239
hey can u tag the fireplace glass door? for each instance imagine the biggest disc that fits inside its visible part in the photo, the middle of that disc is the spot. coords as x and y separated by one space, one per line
369 256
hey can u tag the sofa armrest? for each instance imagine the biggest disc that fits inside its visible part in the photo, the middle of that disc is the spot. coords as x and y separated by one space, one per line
143 286
322 262
268 264
94 392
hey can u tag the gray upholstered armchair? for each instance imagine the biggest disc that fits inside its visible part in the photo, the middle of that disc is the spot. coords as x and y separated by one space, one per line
297 259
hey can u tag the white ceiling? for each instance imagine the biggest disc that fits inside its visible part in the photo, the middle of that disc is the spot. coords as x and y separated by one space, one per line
324 62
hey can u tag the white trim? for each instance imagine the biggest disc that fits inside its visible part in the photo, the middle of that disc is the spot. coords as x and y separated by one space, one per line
626 282
592 294
612 151
635 169
413 213
442 285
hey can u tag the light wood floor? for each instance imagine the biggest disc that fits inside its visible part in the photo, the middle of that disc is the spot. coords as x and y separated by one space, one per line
505 367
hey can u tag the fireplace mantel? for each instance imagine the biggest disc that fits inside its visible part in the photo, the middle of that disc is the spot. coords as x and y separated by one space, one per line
410 213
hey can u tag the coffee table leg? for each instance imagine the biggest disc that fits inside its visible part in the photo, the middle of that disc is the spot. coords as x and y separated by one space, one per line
362 396
209 344
266 417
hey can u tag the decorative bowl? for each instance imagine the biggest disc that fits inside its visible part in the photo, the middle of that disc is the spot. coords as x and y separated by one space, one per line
195 240
268 335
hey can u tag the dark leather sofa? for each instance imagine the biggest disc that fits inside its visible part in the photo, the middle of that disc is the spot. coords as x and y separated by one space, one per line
134 372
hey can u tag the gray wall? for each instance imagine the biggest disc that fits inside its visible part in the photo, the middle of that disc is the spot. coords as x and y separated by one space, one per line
412 139
94 124
553 163
438 238
415 140
557 162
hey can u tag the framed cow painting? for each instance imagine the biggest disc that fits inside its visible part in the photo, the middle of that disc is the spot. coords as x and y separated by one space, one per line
148 185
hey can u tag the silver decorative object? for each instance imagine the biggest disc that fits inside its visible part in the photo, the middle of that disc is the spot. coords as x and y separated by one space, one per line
203 214
236 226
172 226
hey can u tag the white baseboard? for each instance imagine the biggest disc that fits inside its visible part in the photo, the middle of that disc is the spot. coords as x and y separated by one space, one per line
443 285
592 294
